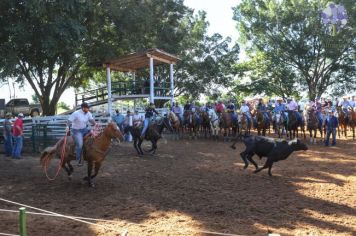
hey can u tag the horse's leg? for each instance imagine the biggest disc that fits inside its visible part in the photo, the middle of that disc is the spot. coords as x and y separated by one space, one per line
154 146
135 145
66 169
139 147
88 177
71 169
97 166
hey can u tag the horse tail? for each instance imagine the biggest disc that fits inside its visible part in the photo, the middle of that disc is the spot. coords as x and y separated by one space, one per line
47 155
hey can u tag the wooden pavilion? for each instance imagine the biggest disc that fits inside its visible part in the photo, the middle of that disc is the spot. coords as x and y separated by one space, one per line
131 63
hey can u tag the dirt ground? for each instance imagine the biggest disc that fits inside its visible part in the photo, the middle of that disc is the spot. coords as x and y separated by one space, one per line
191 187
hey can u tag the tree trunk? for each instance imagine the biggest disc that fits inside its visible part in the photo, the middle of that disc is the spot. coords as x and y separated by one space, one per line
48 106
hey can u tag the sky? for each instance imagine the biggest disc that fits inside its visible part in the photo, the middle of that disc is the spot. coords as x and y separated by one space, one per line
219 15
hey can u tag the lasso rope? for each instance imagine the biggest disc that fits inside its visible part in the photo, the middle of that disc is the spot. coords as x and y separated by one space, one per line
47 159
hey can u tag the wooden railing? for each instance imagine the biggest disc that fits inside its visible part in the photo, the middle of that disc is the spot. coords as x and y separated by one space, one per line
122 88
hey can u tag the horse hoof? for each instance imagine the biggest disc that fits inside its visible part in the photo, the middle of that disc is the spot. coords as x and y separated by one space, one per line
233 147
92 185
69 177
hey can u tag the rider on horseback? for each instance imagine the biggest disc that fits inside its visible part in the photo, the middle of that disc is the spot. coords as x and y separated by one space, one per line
219 108
177 110
231 109
293 106
345 105
279 109
246 110
318 109
149 114
261 107
78 120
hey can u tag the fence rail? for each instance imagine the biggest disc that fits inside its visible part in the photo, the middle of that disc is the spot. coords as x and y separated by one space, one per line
40 132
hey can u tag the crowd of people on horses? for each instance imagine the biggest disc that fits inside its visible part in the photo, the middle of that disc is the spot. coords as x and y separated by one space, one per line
326 111
257 113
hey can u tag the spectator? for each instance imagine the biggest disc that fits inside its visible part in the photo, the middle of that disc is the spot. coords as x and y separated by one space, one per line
331 124
17 132
119 119
7 135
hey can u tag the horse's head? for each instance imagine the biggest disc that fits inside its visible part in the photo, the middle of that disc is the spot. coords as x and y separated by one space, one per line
278 117
113 131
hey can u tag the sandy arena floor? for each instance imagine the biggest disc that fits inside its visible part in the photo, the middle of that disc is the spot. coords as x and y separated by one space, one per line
189 187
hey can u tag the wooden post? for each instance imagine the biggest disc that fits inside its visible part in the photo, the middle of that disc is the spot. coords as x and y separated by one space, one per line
172 83
23 221
108 78
151 81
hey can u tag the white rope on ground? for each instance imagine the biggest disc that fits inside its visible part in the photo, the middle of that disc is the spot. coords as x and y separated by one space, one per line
46 214
64 216
9 234
78 218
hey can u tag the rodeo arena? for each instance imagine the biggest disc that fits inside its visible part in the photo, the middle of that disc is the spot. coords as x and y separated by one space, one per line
199 168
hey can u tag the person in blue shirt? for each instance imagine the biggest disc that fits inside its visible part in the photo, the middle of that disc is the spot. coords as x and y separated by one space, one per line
7 134
230 108
331 124
261 107
148 115
119 119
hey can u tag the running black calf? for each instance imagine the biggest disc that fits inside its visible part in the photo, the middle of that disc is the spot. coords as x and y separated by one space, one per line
274 149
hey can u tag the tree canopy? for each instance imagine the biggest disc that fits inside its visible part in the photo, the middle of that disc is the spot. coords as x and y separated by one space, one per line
289 46
56 44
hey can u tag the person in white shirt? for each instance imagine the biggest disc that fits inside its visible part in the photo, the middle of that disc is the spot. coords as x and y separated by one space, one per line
246 110
79 120
293 106
137 119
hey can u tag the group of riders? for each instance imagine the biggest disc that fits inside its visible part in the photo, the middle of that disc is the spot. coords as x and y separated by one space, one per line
321 107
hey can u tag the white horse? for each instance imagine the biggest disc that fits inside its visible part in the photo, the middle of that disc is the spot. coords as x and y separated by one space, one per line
214 123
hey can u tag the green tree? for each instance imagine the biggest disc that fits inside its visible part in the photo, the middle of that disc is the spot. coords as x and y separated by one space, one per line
43 43
293 38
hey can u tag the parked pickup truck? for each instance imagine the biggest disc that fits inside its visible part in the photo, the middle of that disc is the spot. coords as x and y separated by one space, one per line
21 105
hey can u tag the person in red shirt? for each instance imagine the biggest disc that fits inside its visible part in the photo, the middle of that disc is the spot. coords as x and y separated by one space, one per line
17 132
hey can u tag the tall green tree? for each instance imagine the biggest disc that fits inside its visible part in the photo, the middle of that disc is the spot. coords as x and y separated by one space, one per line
293 38
41 42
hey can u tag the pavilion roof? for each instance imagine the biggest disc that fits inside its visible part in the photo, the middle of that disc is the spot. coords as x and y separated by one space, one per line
138 60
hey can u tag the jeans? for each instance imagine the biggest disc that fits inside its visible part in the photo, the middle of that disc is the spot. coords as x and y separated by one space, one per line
8 145
78 135
320 117
328 133
145 126
16 152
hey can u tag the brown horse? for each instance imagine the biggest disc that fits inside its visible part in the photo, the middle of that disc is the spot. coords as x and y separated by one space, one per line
262 123
244 126
343 121
205 123
312 124
226 123
352 119
191 122
94 151
176 124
